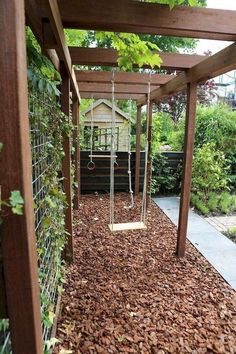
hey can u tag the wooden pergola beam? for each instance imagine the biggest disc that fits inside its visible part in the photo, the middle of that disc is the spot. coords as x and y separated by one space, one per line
53 12
18 240
45 20
142 17
119 88
107 95
128 78
217 64
187 168
108 57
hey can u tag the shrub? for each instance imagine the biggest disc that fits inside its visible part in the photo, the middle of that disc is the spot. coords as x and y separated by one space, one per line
225 203
164 179
212 201
199 204
232 232
209 171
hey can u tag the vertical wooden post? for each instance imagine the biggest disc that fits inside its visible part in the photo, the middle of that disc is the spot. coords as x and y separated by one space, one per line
79 166
66 165
137 151
149 166
17 231
75 114
187 168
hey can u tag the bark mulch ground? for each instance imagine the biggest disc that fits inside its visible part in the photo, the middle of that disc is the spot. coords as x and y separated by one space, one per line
128 293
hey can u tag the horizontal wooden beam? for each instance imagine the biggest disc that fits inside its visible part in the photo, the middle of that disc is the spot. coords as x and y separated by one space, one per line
106 95
119 88
142 17
127 78
217 64
108 57
54 16
44 18
33 20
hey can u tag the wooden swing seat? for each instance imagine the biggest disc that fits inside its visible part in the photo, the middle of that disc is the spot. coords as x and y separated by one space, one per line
127 226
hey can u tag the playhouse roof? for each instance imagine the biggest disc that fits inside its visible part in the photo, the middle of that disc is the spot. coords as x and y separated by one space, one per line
109 104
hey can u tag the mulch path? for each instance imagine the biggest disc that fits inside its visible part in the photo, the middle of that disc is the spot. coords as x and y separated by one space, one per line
128 293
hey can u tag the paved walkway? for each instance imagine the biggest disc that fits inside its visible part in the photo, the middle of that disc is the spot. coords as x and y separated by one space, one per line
222 223
214 246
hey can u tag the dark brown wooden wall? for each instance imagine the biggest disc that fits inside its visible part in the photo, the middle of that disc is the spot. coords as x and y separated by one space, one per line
99 178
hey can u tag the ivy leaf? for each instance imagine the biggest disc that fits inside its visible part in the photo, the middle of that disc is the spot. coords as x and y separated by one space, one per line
16 202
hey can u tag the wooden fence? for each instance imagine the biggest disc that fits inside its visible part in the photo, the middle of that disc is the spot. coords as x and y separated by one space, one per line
98 180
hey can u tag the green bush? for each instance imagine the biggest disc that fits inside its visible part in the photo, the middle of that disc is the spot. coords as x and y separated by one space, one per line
209 171
225 203
213 201
164 179
199 204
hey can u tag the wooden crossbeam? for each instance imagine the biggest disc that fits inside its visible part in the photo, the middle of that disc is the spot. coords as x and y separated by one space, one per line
217 64
108 57
128 78
142 17
45 21
119 88
107 95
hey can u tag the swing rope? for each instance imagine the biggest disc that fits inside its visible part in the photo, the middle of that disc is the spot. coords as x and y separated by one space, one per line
144 199
113 152
129 160
91 164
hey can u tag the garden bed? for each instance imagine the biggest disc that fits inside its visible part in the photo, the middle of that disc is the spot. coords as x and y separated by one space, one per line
128 293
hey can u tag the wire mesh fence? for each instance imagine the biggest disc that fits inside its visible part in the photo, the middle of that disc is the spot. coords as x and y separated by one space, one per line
43 113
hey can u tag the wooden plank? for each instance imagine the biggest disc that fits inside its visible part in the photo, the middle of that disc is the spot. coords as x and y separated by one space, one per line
212 66
48 15
33 19
119 88
107 95
66 166
187 168
142 17
17 232
108 57
75 115
127 226
79 155
128 78
137 149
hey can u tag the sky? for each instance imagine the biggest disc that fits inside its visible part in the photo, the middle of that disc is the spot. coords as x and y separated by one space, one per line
214 46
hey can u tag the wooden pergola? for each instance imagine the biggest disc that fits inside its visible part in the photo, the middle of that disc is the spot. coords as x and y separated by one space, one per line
47 19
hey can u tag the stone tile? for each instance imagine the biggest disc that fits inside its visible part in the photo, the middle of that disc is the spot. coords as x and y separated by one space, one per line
205 235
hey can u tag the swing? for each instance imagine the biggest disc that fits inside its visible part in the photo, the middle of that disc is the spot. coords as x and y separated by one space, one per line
138 225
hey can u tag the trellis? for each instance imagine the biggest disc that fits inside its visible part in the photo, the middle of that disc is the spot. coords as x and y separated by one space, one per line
47 19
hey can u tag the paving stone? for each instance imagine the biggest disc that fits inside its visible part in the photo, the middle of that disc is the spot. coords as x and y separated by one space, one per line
205 234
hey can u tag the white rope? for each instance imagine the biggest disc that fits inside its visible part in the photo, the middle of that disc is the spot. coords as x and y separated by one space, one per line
129 160
91 164
113 153
144 199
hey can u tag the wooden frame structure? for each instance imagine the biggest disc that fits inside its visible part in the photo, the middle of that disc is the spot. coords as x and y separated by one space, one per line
47 19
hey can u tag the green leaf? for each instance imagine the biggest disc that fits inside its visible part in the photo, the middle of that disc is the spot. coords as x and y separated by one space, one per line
1 146
16 202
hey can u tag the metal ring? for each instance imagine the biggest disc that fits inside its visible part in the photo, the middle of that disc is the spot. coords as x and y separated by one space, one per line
91 165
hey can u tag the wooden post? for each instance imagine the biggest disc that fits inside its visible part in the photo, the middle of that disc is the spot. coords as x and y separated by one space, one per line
17 231
75 114
187 168
66 165
149 166
137 151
